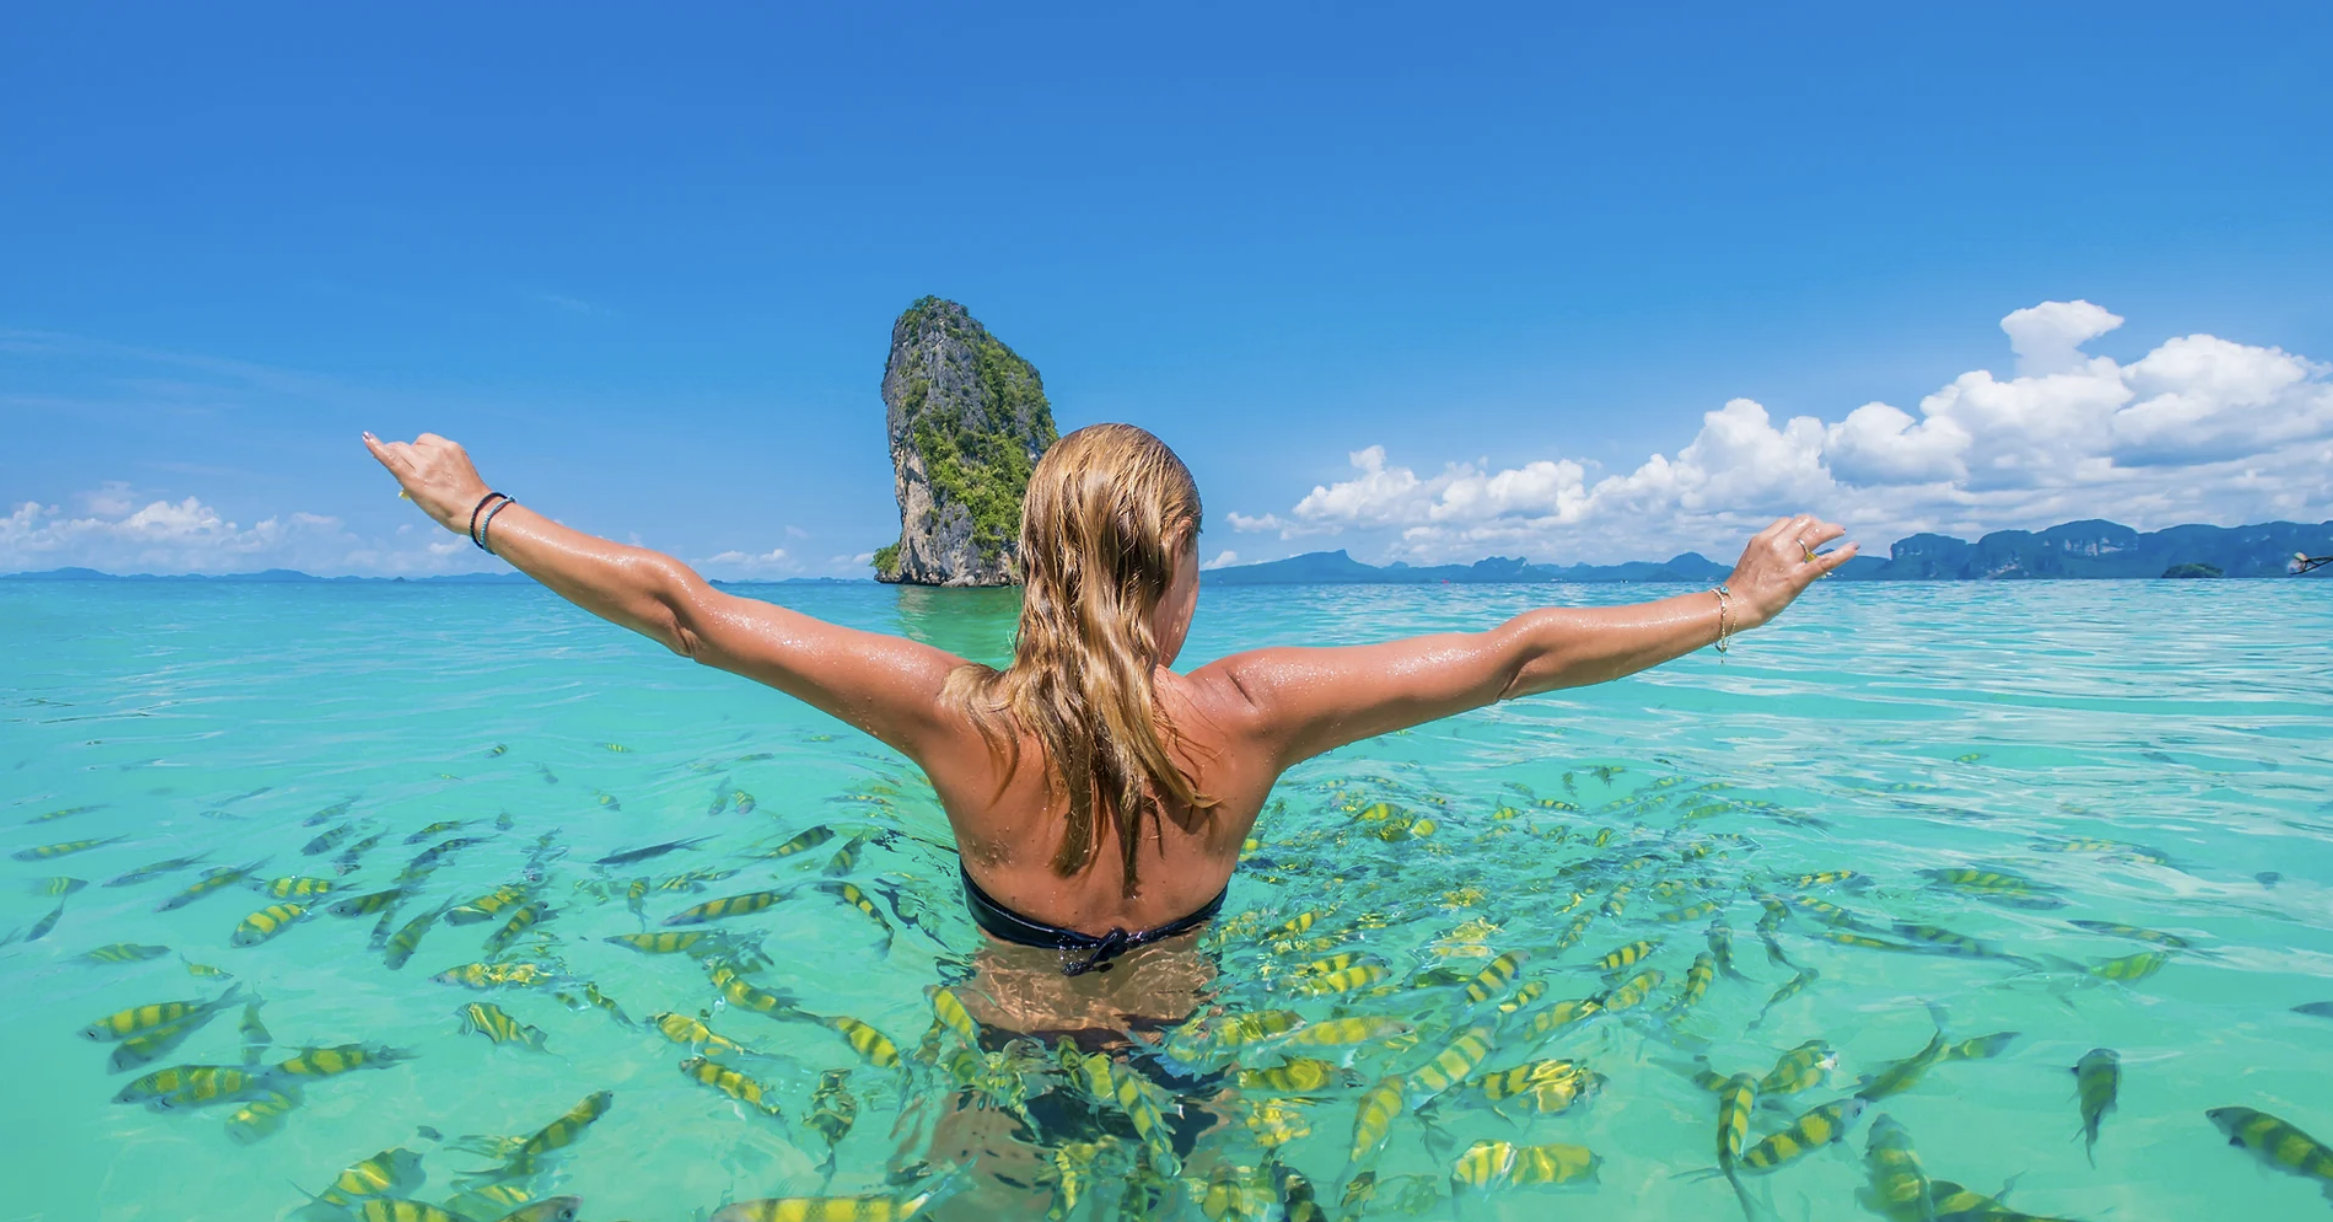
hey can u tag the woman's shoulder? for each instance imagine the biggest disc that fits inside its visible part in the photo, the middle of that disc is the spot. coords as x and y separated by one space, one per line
1219 696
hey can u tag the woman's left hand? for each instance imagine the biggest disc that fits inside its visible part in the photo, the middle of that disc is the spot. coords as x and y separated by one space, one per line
436 474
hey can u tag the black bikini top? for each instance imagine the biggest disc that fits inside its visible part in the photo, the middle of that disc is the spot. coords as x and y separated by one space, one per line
1013 927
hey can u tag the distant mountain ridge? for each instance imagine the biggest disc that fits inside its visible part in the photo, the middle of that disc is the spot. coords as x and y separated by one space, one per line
2087 549
2077 550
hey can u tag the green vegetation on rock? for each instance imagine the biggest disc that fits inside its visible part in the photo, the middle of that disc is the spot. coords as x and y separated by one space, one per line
974 418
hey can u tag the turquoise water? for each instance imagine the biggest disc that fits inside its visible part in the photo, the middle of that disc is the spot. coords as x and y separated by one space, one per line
1885 730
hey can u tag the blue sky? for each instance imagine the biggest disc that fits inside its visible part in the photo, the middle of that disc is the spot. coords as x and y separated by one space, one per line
1418 284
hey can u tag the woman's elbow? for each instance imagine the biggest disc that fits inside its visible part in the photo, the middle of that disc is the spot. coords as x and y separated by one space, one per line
673 613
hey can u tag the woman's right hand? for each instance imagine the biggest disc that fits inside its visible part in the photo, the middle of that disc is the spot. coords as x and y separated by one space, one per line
436 474
1779 564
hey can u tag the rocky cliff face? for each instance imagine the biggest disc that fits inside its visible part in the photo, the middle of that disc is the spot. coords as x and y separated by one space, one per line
968 421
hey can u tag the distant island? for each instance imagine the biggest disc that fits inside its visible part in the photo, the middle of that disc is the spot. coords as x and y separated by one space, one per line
2076 550
2089 549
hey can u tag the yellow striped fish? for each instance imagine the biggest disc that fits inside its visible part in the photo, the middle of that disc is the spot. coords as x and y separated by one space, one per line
1374 1118
1255 1027
1560 1015
1451 1065
497 975
823 1209
1903 1075
339 1059
1954 1203
1899 1190
485 906
866 1041
66 849
1980 1048
267 923
948 1010
731 1083
744 995
1799 1068
152 1046
805 841
488 1020
264 1113
1823 1126
368 904
727 906
1492 1164
122 1024
384 1174
408 939
1345 980
1133 1096
1691 913
2112 929
1633 993
1530 992
1627 956
1737 1097
1297 1076
681 1029
565 1130
1698 978
850 894
124 952
2276 1143
1276 1122
183 1086
2131 968
1349 1030
1547 1086
1494 978
294 887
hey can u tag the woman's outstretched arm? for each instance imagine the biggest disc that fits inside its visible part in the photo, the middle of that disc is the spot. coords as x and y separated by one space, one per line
885 685
1306 701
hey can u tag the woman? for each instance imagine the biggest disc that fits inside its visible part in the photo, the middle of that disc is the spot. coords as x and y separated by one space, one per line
1099 798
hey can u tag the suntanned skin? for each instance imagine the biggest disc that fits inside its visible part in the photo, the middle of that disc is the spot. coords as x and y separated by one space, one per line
1240 721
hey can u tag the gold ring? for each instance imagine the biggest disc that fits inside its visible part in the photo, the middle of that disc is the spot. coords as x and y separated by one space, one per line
404 495
1810 552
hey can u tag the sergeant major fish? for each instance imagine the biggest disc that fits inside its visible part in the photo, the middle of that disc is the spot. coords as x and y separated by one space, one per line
2097 1080
137 1019
2277 1143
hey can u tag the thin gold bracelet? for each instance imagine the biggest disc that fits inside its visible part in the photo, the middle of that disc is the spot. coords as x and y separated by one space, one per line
1724 612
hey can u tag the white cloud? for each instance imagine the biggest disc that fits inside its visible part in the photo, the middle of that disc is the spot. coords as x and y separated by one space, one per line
2199 429
1222 558
735 564
118 535
2048 338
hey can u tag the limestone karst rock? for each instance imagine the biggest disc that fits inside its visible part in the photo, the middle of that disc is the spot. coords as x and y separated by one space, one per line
968 420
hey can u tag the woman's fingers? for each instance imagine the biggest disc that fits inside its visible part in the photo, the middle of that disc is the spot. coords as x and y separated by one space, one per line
1833 559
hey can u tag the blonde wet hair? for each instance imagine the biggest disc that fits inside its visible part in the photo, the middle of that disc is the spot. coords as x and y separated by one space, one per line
1108 514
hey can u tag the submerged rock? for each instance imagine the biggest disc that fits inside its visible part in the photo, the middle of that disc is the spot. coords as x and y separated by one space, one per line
968 421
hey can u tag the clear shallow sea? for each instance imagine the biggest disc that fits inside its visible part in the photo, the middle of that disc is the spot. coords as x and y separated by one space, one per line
1883 729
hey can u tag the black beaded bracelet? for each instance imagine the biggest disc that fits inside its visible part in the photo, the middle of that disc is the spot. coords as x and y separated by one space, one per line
486 527
482 503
